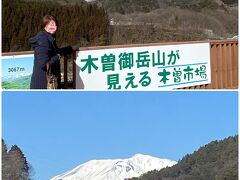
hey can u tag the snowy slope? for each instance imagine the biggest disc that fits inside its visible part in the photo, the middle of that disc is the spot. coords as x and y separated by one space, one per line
116 169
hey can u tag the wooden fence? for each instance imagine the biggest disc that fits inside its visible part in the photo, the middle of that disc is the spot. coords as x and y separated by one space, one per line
224 66
224 63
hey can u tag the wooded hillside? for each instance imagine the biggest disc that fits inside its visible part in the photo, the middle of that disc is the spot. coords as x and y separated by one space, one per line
84 24
171 20
217 160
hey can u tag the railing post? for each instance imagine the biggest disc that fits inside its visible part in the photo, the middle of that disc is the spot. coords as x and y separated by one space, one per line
74 69
65 72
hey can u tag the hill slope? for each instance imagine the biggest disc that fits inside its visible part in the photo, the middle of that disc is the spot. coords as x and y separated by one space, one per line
130 6
217 160
171 20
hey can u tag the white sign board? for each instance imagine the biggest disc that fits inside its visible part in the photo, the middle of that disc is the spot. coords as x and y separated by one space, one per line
162 67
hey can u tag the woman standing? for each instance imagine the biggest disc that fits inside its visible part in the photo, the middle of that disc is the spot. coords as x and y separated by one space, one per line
47 54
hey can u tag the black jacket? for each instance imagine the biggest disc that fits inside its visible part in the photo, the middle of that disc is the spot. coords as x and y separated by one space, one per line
46 50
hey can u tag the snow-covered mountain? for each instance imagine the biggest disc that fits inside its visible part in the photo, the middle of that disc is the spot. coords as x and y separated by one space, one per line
115 169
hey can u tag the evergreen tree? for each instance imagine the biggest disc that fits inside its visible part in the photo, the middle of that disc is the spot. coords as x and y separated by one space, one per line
14 164
19 164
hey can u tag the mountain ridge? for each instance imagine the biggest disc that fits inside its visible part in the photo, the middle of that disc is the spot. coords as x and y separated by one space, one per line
117 169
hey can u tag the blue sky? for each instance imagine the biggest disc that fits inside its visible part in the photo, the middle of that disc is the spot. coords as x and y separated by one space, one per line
60 130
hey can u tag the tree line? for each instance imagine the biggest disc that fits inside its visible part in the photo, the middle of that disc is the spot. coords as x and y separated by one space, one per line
83 23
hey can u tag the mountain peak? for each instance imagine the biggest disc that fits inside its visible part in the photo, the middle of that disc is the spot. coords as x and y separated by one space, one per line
141 155
117 169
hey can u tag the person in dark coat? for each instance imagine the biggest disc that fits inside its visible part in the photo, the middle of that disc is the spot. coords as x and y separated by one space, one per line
46 51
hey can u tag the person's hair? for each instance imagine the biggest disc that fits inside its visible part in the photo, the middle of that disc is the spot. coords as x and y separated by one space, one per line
46 19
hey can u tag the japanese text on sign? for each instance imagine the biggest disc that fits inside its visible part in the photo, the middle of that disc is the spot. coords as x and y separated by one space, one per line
150 67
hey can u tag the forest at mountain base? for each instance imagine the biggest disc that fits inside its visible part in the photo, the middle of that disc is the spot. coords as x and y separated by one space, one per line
217 160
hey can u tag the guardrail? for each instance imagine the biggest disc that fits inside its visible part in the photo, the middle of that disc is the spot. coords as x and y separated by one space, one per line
224 63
